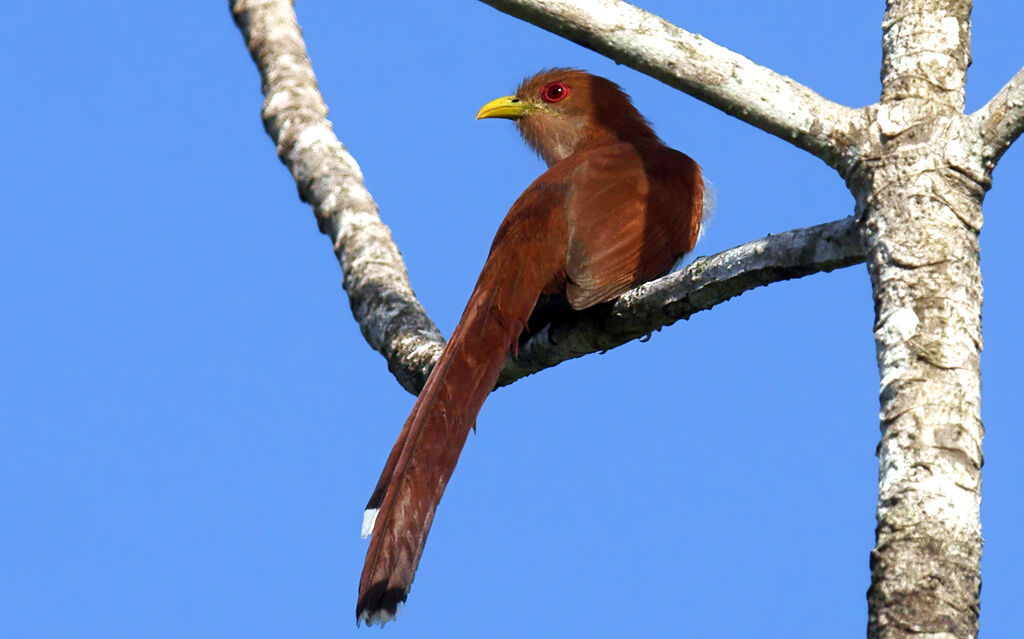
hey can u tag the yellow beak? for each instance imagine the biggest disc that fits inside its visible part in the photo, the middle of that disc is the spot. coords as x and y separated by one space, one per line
509 107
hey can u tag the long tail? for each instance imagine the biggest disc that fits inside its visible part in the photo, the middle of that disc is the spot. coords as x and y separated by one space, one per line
402 506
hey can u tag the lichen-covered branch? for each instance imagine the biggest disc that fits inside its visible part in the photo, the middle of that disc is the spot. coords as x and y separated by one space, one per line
919 194
1001 121
295 117
701 68
705 283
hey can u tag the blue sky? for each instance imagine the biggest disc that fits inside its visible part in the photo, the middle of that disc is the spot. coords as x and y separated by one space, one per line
192 422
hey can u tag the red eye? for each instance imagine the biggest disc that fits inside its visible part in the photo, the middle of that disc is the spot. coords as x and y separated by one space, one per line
554 92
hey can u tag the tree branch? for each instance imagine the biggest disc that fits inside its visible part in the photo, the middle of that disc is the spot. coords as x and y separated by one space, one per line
705 283
295 117
691 63
1001 121
383 303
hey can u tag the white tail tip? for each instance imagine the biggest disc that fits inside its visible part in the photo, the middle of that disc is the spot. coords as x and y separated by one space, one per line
378 617
369 519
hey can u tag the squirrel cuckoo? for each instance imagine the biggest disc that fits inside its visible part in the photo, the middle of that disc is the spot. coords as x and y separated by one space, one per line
615 209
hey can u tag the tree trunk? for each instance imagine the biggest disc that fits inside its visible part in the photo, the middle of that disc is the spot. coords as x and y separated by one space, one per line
919 188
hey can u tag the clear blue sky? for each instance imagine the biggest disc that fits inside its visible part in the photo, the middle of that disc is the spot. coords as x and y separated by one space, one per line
192 423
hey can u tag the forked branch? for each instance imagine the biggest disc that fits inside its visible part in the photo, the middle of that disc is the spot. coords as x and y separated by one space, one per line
374 275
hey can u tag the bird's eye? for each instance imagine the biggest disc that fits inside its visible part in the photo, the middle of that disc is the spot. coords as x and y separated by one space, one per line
554 92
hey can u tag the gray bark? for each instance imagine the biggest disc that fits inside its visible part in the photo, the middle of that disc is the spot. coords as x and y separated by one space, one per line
328 177
703 284
918 168
1001 121
919 189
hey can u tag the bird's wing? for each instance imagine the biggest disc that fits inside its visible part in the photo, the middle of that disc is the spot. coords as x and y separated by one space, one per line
630 214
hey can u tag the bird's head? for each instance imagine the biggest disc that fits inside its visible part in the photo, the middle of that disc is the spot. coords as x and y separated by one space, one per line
560 111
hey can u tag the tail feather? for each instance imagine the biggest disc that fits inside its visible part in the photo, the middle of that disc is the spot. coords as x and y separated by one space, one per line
520 267
377 497
401 509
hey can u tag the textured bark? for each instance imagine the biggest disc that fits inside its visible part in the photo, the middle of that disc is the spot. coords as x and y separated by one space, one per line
703 284
295 117
1001 121
919 190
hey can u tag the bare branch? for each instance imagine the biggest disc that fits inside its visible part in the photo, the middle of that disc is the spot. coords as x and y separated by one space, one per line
701 68
1001 121
382 301
705 283
295 117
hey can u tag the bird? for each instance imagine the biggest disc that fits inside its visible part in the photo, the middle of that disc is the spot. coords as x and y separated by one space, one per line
615 208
